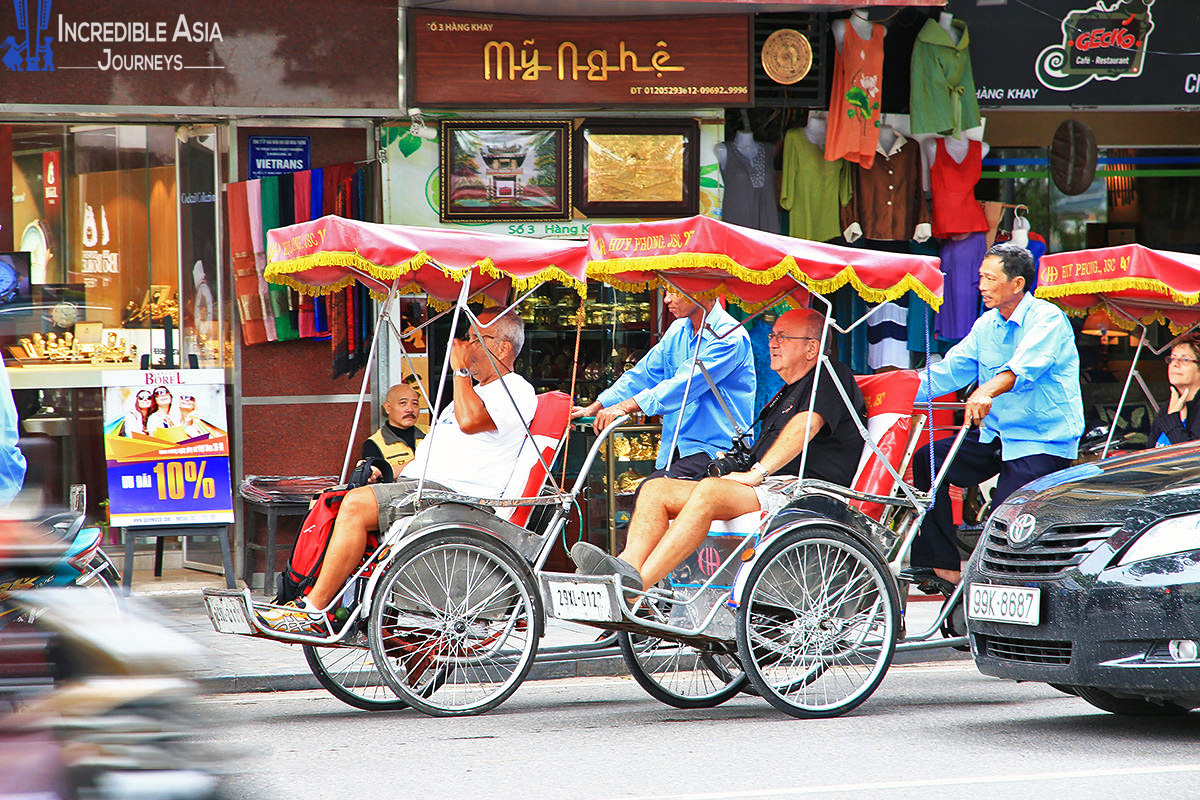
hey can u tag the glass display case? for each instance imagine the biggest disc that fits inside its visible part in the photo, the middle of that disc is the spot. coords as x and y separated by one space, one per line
616 332
629 458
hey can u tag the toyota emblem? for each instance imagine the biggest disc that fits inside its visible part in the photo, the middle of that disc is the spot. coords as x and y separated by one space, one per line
1021 531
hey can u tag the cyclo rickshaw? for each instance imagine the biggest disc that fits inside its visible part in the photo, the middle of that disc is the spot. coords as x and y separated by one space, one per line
447 610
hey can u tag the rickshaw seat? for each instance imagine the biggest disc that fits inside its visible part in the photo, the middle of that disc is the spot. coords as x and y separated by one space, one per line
889 398
548 428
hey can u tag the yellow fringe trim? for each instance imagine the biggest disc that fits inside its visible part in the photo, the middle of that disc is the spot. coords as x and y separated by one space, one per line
281 272
1115 285
605 270
1147 318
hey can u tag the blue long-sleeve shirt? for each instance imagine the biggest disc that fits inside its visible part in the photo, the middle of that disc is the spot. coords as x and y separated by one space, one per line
658 381
12 460
1043 412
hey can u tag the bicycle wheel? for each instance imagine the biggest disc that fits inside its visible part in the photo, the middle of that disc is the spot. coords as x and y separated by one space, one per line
816 629
349 674
454 624
679 674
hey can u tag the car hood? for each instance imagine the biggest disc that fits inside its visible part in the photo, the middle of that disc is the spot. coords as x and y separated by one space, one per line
1131 490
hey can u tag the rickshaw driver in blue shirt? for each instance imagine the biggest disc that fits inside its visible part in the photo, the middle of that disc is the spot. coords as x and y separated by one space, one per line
656 386
1028 406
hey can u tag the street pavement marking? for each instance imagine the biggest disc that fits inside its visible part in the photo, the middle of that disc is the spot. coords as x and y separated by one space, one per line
975 780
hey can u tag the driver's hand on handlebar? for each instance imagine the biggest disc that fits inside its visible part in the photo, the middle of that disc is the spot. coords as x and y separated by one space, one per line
605 416
979 405
585 411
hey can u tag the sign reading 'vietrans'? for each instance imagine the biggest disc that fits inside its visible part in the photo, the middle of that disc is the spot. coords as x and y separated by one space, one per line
279 155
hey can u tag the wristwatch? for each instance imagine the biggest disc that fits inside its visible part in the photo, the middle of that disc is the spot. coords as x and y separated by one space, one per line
462 372
760 469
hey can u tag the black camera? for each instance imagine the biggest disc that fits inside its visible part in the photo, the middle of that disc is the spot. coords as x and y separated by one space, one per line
738 459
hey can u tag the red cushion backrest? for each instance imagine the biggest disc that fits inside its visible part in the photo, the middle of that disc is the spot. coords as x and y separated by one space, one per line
889 398
548 428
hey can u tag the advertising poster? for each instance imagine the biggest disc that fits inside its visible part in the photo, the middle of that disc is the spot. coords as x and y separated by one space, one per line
166 441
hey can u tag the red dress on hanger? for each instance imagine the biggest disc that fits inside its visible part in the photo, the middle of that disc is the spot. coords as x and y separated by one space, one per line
854 101
955 209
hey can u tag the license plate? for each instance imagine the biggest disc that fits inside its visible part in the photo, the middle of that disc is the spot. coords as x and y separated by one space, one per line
228 614
1017 604
572 600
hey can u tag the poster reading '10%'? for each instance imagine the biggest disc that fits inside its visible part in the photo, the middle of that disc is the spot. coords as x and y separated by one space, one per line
166 442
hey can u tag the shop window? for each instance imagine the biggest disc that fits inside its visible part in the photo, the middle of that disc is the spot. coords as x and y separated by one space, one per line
115 231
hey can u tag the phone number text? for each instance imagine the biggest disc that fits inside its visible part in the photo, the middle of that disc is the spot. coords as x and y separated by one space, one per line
688 90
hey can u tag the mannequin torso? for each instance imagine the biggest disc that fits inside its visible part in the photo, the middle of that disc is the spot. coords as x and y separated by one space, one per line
946 20
858 20
815 130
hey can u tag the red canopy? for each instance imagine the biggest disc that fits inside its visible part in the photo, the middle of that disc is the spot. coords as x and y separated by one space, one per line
707 256
330 253
1147 285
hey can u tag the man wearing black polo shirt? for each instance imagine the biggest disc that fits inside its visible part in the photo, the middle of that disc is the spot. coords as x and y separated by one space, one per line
789 427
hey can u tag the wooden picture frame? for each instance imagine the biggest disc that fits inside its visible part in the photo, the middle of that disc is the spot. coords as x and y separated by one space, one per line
505 170
625 169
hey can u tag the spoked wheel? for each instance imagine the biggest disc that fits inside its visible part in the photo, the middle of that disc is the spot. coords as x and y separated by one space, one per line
816 629
679 674
455 623
349 674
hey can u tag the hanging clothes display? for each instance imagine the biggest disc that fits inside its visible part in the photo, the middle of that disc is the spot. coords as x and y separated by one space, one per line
952 184
254 202
241 250
855 98
302 203
961 258
887 339
887 200
942 87
749 179
813 189
920 315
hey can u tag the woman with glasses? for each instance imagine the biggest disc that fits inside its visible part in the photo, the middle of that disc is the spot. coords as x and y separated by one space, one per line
1178 419
164 415
137 420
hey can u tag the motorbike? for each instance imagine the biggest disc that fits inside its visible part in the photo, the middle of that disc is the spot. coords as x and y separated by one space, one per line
80 562
94 698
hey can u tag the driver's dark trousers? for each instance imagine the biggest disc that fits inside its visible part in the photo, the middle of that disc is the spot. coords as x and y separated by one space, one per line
935 545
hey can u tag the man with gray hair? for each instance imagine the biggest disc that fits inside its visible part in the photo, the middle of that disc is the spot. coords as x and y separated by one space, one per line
470 449
1028 406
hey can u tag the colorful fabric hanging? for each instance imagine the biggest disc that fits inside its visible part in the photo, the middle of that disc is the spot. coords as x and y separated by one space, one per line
245 281
254 203
855 98
302 203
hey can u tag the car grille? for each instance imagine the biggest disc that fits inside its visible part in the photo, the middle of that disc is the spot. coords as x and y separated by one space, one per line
1025 651
1056 550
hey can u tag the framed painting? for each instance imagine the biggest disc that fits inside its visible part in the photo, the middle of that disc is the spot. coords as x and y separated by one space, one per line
496 171
637 170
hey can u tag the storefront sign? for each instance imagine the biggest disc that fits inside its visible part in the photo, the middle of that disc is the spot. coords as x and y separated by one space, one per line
166 441
279 155
1073 53
484 61
144 53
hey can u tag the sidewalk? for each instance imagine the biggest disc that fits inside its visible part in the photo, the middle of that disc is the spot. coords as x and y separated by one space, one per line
248 664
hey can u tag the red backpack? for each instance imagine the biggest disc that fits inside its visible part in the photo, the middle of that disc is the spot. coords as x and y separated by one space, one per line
298 577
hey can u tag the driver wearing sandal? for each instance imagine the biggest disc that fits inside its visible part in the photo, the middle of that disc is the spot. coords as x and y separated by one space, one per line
672 517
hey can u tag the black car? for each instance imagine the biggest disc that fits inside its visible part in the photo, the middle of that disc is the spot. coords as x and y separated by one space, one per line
1089 580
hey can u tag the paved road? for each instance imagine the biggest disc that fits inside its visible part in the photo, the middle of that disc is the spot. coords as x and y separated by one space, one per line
930 731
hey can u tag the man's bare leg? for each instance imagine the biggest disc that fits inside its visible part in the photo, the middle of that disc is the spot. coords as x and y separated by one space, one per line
711 499
659 502
358 514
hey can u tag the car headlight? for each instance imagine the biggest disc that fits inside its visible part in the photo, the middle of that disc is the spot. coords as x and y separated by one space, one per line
1174 535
